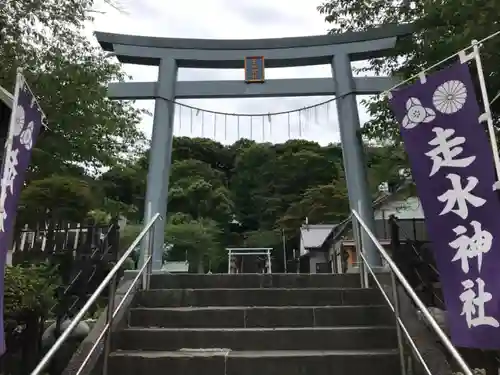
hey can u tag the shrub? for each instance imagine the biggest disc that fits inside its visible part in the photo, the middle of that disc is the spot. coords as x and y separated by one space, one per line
29 290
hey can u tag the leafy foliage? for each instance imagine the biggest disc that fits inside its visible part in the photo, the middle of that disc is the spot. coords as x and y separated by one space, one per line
245 194
57 197
200 199
129 234
322 203
441 29
263 239
124 190
69 74
28 290
198 240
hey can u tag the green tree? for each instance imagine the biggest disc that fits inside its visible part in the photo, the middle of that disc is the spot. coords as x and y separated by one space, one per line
271 186
124 188
69 75
323 204
218 157
441 29
269 178
57 197
29 290
190 169
239 146
249 183
200 199
199 190
292 174
129 234
179 218
263 238
296 171
297 145
199 240
384 164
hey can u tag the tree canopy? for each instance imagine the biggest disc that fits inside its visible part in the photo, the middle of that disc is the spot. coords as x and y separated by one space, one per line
442 28
250 192
69 74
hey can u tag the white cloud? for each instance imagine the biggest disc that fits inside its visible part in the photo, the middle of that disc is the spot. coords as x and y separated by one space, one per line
230 19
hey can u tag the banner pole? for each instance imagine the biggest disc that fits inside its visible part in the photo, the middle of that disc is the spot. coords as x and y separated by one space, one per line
486 116
8 144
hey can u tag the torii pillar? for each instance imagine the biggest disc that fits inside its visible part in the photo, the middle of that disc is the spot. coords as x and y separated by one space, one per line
169 54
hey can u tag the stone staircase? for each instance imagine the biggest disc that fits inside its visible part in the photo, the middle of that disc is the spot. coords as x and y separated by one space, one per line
256 325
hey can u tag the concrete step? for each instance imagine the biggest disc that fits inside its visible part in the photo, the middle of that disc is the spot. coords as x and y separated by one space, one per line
261 339
225 281
250 363
259 297
266 316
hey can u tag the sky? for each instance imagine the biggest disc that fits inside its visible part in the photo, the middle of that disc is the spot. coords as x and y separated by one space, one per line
230 19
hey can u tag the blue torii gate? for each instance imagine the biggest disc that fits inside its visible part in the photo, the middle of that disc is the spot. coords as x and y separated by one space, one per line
169 54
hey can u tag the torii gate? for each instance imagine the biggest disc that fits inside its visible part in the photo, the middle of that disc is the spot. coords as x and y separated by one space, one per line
169 54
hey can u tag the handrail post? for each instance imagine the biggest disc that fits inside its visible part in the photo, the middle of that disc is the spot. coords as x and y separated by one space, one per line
149 268
397 315
359 260
109 324
395 237
145 251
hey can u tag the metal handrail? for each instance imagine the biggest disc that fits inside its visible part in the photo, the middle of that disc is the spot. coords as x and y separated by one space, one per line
75 279
107 326
111 280
396 274
394 219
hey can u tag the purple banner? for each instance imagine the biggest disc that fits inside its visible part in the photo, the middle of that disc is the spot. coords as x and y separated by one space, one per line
452 165
27 119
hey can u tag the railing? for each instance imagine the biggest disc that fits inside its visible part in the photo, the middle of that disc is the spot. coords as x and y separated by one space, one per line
64 310
365 268
109 281
425 270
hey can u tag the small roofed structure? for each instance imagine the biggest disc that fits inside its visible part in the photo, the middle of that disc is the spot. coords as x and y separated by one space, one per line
313 246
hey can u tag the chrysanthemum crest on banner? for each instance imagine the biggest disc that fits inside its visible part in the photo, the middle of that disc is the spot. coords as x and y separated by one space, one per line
450 97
